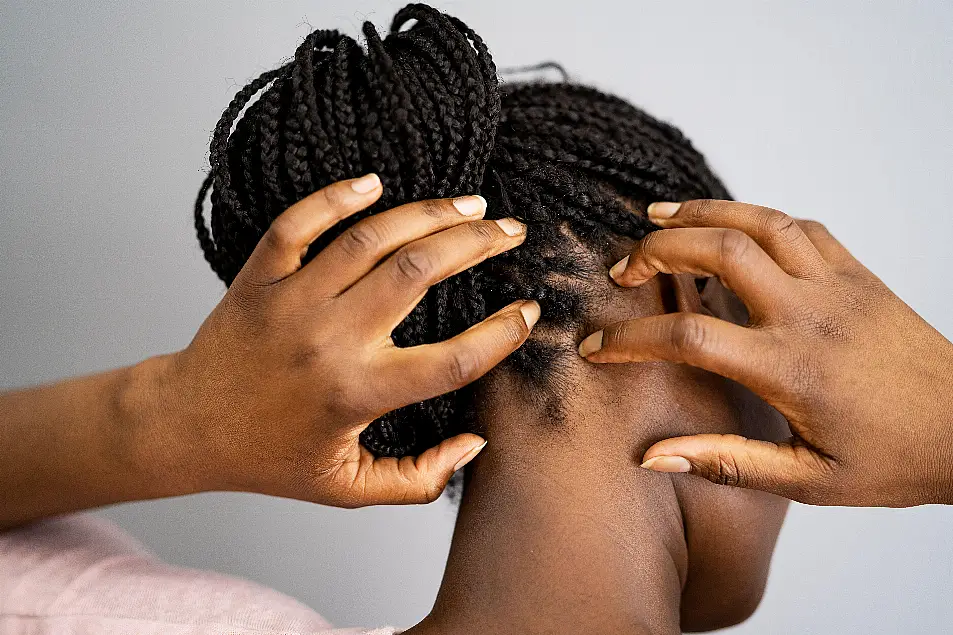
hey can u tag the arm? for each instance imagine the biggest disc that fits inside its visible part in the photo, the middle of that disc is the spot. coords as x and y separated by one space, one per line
89 441
274 390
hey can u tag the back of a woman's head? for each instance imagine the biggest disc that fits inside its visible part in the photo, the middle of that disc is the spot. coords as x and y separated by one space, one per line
423 108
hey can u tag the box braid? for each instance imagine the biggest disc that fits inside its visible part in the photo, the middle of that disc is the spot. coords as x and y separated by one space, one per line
423 108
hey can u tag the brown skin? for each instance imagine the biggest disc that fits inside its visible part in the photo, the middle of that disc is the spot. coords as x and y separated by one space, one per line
282 377
863 381
560 531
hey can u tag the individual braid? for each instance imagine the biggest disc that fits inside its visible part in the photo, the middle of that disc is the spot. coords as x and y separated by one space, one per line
423 108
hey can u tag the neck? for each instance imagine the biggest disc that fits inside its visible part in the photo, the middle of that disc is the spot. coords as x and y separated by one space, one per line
560 531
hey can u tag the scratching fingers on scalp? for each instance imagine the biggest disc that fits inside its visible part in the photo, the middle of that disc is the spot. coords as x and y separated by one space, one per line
359 249
729 254
421 372
787 469
778 234
412 480
742 354
398 284
279 252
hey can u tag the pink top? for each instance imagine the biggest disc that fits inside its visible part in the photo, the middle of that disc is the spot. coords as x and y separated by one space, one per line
80 575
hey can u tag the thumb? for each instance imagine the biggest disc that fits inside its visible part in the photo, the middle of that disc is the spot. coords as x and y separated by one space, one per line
790 468
420 479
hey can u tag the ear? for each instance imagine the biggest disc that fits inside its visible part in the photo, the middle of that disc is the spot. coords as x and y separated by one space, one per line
719 301
686 294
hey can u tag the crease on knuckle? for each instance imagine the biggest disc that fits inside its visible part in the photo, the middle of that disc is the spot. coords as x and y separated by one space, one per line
513 330
688 335
734 247
486 233
645 259
414 264
434 208
616 335
727 471
362 240
462 367
334 199
699 210
779 225
430 490
282 235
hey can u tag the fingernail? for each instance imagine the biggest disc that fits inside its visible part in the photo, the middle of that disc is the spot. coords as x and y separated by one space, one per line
676 464
365 184
663 210
591 344
511 226
469 456
618 268
470 205
530 311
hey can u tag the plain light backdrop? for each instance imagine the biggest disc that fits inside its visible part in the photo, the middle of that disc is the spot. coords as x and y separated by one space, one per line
831 110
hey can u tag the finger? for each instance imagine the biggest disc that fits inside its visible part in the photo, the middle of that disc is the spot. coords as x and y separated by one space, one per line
280 251
399 283
729 254
420 372
777 233
836 255
789 469
746 355
359 249
409 480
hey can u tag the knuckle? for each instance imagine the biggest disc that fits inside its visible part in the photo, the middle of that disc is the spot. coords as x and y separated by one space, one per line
282 234
430 491
699 211
812 227
781 225
334 197
688 335
414 264
649 244
434 208
615 335
726 471
485 232
734 246
462 367
361 240
513 330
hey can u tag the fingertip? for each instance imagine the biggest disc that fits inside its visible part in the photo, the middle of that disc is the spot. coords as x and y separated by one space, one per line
531 312
470 454
366 184
668 464
592 344
661 211
618 269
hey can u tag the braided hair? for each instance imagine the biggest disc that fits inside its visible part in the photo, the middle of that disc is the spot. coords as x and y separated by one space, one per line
424 109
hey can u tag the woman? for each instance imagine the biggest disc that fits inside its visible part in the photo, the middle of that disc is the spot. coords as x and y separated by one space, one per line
559 529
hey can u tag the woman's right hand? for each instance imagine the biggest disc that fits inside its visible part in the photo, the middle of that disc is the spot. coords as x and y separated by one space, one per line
864 382
296 361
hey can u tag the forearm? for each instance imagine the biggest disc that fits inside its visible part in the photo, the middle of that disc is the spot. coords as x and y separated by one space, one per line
89 441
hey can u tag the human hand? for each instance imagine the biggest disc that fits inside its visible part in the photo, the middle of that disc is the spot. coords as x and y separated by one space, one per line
865 383
296 361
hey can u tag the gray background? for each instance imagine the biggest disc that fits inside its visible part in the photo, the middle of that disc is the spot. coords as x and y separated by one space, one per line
832 110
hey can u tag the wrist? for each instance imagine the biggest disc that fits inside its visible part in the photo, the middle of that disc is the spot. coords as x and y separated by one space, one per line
156 434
